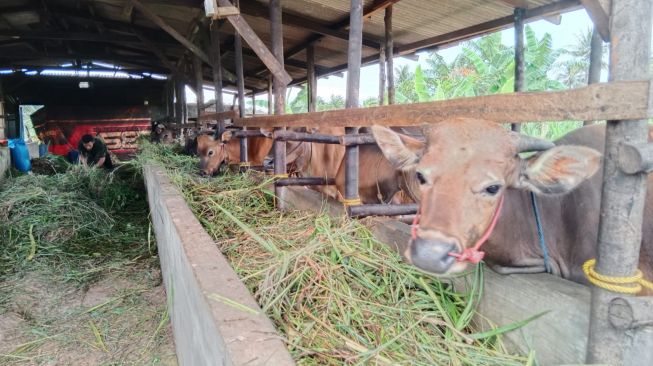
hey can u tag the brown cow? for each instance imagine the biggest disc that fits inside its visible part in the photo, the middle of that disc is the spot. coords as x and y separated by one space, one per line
214 153
466 169
317 160
378 180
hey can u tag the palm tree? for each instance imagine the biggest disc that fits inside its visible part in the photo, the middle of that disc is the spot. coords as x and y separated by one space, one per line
573 69
334 102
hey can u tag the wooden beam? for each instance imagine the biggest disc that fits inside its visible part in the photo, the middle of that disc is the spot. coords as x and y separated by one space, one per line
599 12
127 10
222 12
487 27
253 8
71 36
377 7
601 101
339 25
596 62
180 38
157 52
255 43
382 75
218 116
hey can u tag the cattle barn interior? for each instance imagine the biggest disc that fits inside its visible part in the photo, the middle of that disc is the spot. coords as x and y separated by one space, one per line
132 60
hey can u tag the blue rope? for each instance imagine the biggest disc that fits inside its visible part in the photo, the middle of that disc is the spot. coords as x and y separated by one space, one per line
540 234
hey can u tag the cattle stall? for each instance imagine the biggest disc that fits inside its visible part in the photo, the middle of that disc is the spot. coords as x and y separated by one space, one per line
253 47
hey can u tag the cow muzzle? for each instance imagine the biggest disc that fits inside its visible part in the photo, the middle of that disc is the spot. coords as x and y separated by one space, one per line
431 255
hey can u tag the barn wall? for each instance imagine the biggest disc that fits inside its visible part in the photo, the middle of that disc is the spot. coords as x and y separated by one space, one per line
4 162
558 337
198 281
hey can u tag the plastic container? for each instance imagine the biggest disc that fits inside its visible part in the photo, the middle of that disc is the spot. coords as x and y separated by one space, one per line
20 155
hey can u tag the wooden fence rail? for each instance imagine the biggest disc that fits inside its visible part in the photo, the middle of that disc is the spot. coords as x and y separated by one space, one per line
601 101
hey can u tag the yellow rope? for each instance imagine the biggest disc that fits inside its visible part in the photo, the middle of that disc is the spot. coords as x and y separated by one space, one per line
247 163
282 175
351 201
624 285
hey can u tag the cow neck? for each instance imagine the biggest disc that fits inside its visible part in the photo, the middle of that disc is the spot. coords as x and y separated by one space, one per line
472 254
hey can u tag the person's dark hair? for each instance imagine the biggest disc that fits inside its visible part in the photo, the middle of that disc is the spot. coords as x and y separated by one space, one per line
87 138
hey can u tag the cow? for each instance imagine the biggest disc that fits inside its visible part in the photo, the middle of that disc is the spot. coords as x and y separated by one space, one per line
378 180
214 152
317 160
161 134
468 169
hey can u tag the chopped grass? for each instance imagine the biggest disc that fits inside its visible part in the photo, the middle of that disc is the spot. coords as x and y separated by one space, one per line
79 279
335 293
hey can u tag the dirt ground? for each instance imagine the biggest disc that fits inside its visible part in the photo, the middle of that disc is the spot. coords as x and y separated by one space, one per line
121 319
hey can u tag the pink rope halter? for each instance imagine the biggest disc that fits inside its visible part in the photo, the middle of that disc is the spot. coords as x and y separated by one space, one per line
472 254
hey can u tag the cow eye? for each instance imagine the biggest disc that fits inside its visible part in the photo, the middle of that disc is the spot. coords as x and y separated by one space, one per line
210 152
493 189
421 178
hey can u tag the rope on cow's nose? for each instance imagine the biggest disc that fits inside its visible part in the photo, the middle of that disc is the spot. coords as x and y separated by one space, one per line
281 175
624 285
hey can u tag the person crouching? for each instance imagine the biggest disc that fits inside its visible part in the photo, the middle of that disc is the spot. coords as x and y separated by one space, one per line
94 152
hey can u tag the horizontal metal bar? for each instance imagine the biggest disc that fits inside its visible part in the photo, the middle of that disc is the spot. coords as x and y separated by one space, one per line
284 135
382 210
306 181
357 139
248 133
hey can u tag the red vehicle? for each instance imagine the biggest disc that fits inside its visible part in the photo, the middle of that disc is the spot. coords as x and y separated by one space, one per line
61 127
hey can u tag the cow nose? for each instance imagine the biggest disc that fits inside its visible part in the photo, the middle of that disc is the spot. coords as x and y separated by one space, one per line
203 173
432 256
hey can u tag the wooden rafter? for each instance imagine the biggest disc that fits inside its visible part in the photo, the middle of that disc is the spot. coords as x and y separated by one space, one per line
255 43
599 12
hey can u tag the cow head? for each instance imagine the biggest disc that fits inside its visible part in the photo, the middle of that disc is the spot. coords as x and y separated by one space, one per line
460 175
213 153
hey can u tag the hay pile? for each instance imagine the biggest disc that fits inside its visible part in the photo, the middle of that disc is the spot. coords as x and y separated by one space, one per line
336 294
50 164
79 277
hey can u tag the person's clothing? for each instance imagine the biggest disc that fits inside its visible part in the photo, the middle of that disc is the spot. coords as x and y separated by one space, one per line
98 151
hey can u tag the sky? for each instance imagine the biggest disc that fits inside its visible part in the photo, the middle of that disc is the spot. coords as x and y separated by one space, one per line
573 25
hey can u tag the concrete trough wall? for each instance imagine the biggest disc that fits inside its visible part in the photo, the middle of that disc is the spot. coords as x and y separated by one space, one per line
5 162
558 337
215 320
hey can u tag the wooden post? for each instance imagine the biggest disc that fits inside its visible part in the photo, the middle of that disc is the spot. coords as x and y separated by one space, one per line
217 74
623 195
199 87
276 33
253 104
519 56
270 105
2 113
353 86
311 80
180 100
596 61
382 75
240 77
389 54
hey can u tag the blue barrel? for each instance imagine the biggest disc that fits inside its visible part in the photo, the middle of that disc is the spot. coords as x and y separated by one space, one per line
19 155
43 150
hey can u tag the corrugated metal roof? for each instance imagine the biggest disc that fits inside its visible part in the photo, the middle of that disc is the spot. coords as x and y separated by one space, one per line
413 21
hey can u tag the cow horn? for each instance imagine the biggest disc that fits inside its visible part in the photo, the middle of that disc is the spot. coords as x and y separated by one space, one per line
527 143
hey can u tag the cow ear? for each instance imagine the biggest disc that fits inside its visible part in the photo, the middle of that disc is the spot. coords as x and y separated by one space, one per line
402 151
560 169
226 136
